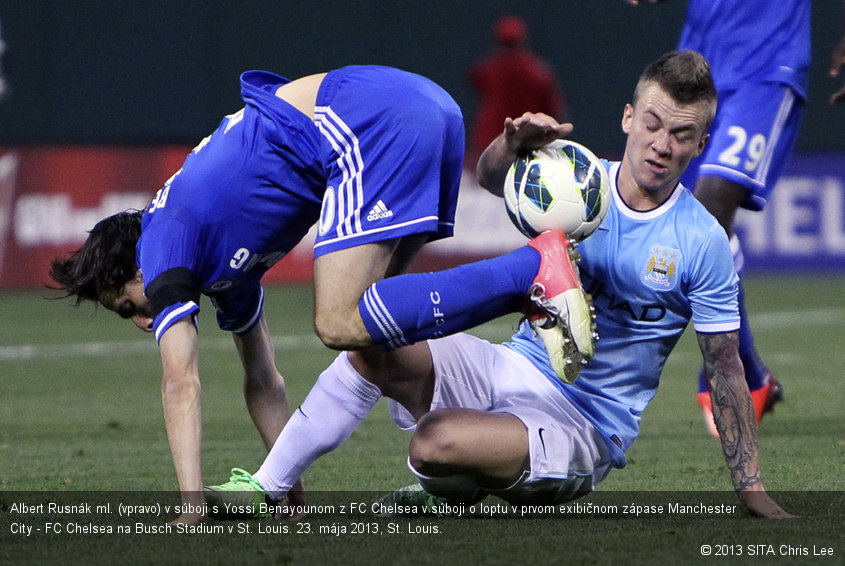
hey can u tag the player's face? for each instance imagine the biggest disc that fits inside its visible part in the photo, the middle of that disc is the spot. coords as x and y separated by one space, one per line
131 303
663 136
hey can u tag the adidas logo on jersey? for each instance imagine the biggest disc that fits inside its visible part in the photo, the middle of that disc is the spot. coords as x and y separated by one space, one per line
379 212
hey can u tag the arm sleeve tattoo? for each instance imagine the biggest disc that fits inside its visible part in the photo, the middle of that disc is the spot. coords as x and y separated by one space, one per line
733 410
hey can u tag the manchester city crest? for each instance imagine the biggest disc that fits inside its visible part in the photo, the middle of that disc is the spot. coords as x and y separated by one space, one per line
661 268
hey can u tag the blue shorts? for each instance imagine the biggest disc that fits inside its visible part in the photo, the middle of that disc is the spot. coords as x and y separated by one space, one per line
382 159
751 139
393 147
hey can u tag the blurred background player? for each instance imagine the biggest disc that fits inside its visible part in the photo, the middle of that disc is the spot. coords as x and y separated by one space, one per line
759 53
510 81
496 418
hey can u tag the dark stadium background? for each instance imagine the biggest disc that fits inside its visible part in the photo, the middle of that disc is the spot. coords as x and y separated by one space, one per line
162 71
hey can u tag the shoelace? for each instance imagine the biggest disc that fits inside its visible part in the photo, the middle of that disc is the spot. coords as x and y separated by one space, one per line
242 476
552 312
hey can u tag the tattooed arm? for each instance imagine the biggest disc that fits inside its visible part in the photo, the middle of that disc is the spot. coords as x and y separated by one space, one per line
733 413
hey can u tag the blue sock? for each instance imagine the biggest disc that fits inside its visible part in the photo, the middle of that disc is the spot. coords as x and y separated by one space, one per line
417 306
756 372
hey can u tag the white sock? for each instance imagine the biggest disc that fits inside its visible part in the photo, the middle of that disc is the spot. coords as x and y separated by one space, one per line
337 403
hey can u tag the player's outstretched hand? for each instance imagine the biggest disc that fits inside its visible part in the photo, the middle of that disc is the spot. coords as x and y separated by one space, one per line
533 131
759 504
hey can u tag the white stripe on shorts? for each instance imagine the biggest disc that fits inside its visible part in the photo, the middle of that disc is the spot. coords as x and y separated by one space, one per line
786 105
350 193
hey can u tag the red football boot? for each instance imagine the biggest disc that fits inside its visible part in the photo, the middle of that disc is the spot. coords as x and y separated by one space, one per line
562 314
764 400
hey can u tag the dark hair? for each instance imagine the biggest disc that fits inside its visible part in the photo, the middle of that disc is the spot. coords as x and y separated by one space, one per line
685 76
105 262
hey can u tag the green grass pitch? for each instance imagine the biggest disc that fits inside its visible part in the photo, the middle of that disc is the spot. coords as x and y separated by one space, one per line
80 412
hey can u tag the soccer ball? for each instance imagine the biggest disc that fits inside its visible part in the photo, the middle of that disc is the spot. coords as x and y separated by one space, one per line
561 186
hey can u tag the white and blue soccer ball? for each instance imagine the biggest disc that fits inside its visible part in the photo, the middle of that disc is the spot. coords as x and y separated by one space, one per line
561 186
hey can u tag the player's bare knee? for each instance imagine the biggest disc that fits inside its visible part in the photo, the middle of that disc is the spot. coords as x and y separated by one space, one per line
338 332
331 338
432 444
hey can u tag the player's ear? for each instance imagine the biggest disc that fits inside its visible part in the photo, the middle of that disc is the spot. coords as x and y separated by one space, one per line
702 143
627 118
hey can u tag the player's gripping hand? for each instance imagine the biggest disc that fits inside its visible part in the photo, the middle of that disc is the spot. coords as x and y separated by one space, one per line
193 509
533 131
294 502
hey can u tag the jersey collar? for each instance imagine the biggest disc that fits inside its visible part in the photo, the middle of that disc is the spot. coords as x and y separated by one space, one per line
636 214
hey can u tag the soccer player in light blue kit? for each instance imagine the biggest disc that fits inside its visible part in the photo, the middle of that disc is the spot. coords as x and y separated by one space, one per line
372 156
759 52
495 419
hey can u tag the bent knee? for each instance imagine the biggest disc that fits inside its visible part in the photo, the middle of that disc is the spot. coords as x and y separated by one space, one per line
341 331
434 443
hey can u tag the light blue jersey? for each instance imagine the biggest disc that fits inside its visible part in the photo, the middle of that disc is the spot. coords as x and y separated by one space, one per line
649 273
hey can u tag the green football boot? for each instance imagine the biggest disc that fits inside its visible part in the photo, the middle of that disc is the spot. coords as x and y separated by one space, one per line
241 496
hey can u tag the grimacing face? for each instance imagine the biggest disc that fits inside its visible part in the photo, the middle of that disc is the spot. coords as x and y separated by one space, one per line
663 136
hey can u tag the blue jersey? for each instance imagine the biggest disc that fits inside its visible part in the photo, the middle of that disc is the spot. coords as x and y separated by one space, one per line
759 54
751 40
649 273
366 168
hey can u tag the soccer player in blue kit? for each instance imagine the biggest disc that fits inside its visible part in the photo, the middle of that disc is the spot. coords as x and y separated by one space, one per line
759 53
495 418
372 156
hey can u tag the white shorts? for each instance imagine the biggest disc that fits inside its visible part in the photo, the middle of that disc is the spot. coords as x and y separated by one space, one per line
568 457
